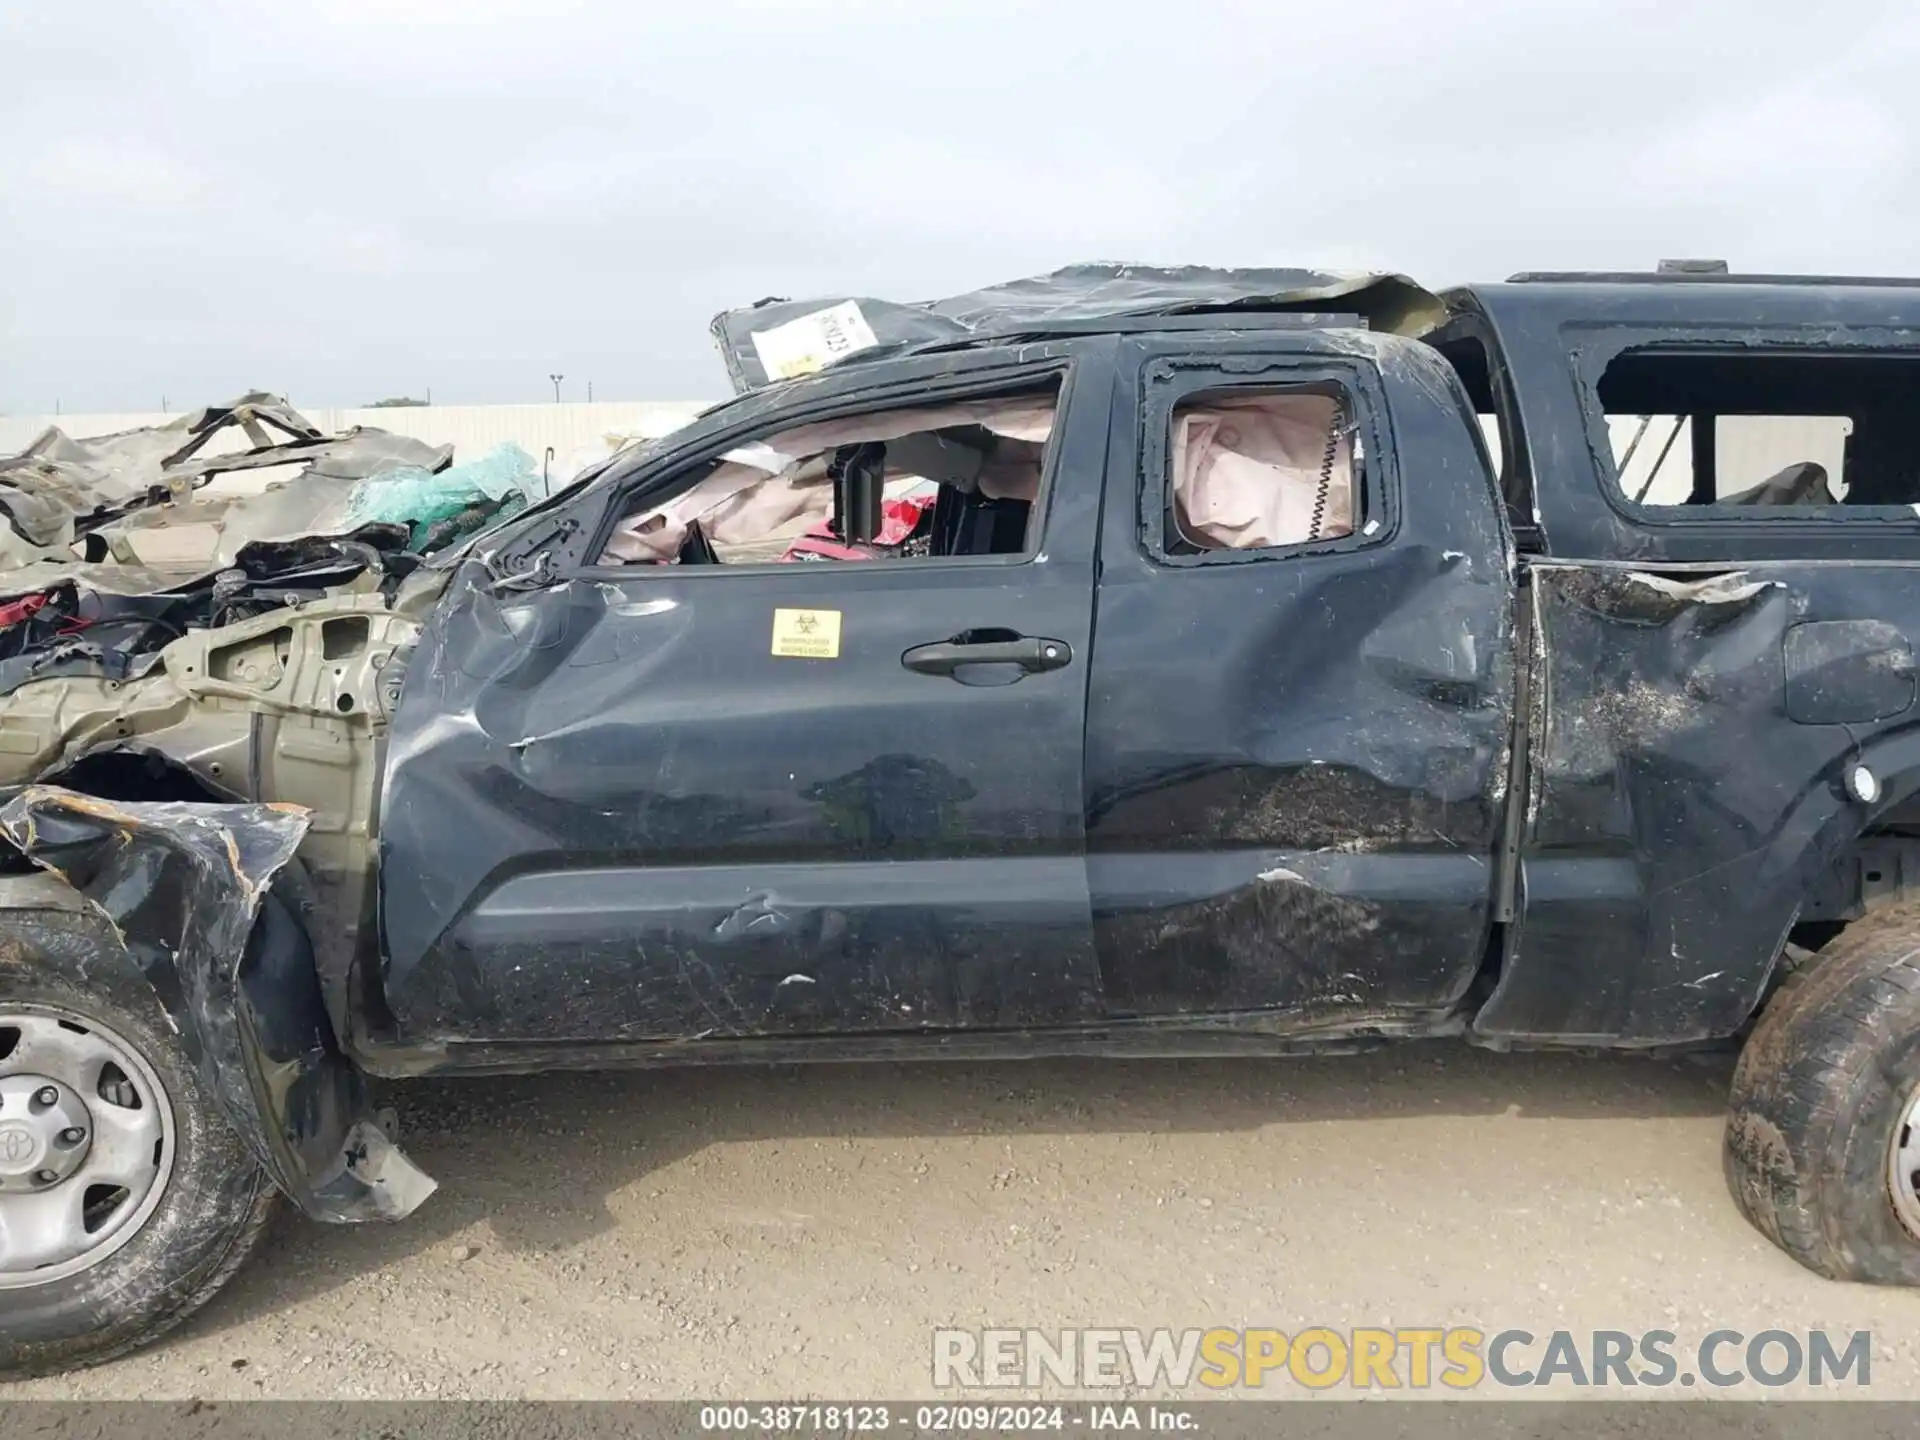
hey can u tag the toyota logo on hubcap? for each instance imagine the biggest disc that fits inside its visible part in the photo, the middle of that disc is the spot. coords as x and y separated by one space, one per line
17 1146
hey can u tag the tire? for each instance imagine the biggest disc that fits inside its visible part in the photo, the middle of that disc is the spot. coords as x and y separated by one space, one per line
1796 964
1824 1085
214 1202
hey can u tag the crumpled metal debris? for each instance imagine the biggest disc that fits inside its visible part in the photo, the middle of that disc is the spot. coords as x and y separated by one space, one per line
171 631
187 888
71 628
114 547
60 491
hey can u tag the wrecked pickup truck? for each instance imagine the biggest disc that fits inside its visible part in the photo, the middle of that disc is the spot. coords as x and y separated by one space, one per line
1127 661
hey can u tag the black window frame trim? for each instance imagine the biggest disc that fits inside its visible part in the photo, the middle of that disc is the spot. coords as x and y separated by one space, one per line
1169 381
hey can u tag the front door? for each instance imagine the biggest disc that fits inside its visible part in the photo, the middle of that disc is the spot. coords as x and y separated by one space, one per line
738 794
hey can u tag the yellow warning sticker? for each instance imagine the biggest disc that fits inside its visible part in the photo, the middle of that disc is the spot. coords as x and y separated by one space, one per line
807 634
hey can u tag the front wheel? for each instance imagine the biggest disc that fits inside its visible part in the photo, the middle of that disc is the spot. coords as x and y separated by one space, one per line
1823 1126
126 1200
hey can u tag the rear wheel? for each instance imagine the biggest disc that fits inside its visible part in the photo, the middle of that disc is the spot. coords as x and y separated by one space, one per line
1823 1128
126 1201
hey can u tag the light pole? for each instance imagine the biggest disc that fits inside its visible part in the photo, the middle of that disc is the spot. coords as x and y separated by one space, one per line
556 386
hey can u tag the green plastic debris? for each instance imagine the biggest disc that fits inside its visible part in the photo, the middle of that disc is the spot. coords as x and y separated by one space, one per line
442 508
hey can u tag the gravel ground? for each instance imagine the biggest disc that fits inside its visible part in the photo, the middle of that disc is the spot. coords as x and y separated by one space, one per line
801 1231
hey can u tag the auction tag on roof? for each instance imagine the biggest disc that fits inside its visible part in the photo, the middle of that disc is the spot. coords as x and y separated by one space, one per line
807 634
814 341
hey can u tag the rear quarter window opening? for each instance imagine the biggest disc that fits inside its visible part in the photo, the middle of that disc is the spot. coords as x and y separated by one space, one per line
1262 468
1748 434
952 479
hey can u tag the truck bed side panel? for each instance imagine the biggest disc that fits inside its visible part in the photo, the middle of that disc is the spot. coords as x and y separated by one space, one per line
1688 744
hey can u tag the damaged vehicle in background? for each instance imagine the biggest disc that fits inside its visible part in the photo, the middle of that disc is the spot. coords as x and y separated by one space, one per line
1127 661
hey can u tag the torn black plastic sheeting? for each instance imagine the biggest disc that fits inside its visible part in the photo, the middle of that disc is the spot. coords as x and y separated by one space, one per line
186 886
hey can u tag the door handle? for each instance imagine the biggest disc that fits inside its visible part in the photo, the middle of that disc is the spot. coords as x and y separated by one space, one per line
1032 653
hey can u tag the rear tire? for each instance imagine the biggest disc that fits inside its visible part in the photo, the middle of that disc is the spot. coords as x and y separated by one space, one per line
1822 1153
214 1202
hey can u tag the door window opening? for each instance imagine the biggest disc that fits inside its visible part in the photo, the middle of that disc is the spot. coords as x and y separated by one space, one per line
952 480
1261 469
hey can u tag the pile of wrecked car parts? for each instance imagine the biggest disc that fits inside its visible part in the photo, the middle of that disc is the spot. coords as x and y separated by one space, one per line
194 624
1125 661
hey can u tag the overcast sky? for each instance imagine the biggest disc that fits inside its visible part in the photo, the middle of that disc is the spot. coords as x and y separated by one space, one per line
348 199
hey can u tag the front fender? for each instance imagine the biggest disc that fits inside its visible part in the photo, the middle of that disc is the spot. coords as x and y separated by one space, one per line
186 888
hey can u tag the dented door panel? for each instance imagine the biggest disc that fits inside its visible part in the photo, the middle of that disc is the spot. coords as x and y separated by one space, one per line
1688 739
613 814
1297 761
